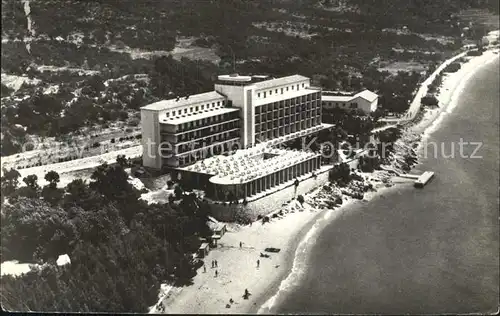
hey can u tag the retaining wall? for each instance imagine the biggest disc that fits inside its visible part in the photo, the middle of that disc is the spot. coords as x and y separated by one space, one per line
269 203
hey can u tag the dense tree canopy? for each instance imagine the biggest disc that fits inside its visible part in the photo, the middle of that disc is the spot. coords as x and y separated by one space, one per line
121 249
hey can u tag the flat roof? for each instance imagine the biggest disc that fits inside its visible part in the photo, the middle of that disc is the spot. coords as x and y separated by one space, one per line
193 99
338 98
220 164
244 170
279 81
197 116
286 95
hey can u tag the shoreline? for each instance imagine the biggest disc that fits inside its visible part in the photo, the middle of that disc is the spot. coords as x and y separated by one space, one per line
452 86
210 294
292 233
267 303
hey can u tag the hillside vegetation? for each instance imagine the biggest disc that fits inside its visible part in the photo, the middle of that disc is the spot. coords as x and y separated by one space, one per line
341 44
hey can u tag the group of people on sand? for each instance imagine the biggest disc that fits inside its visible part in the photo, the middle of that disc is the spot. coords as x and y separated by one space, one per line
214 265
245 296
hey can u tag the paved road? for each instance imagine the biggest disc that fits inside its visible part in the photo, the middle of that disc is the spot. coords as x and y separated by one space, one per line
415 105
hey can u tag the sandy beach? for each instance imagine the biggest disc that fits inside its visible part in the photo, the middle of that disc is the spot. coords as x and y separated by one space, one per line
451 87
237 267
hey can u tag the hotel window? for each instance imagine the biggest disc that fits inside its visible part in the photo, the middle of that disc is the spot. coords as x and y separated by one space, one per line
286 88
185 111
292 87
264 94
223 102
191 110
179 112
218 103
270 92
276 91
197 108
302 85
213 104
202 106
258 95
297 87
168 114
281 90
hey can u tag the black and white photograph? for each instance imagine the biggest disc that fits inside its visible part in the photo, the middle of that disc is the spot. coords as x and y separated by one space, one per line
324 157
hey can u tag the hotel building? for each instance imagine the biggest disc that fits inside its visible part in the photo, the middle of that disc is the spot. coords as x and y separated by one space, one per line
249 113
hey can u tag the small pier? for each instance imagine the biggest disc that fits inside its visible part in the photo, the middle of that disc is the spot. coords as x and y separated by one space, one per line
423 179
420 180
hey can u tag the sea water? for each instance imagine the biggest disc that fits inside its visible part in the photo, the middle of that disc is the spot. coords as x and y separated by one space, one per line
431 250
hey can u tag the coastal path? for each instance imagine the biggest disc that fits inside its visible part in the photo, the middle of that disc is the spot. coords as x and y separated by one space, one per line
416 104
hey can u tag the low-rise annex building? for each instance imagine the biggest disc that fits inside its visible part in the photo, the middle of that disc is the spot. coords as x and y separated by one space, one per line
365 101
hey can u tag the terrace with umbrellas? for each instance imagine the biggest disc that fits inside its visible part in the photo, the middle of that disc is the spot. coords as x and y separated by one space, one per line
248 172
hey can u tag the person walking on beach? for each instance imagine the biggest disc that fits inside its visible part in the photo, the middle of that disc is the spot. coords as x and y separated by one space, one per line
216 265
213 265
246 295
240 244
258 263
204 269
216 273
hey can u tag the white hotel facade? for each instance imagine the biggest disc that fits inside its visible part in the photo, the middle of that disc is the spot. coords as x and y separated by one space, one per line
249 113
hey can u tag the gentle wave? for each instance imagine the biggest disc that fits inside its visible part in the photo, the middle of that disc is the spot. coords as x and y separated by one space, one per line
300 259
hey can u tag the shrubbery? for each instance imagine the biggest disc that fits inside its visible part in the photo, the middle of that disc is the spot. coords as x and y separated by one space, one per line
340 174
430 100
477 52
454 67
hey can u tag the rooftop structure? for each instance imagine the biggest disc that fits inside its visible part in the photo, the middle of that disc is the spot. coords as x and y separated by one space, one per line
183 101
215 165
235 170
278 82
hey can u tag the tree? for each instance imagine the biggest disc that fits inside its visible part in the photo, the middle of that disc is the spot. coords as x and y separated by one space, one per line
300 199
29 227
31 182
122 161
53 178
6 91
52 194
79 193
9 181
340 174
430 100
